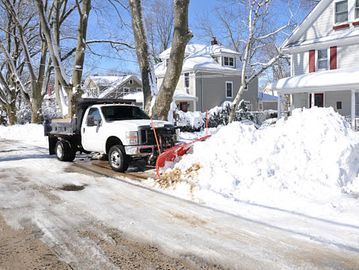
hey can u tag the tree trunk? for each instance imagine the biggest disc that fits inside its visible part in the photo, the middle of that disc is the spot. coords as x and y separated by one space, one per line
181 36
36 103
11 113
142 52
80 55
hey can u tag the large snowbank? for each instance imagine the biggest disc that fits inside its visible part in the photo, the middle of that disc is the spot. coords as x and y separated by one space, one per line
313 155
28 133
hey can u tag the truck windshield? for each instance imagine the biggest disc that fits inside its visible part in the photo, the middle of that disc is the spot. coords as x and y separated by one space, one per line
115 113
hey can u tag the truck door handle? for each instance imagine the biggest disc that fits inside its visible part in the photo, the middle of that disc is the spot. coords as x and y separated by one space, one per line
83 130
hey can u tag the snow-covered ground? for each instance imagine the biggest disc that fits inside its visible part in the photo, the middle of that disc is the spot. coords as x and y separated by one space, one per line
298 175
307 164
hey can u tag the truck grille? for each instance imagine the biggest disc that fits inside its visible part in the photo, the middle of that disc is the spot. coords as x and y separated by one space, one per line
166 136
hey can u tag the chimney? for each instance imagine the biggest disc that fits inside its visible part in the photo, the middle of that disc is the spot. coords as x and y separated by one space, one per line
214 41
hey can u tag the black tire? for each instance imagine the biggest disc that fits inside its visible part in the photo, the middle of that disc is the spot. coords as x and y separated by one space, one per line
64 151
117 158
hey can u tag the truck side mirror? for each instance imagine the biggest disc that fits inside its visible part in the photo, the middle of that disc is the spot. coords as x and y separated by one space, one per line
91 121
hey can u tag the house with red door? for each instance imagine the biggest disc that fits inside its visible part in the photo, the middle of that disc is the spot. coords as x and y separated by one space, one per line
324 53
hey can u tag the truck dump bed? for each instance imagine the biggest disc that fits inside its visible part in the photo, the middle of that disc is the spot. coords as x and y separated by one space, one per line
72 126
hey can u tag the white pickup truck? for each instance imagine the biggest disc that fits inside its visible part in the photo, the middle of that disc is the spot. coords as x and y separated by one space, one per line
116 128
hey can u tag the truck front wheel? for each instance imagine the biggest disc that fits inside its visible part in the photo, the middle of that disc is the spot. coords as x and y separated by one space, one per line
64 151
117 158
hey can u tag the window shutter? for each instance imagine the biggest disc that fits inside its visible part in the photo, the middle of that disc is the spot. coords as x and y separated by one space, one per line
312 61
333 57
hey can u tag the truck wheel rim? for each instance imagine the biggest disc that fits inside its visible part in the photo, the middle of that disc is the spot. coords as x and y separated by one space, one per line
115 159
59 151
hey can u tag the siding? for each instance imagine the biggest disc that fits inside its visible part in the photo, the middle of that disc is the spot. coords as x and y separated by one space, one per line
300 63
300 100
210 90
348 56
323 26
331 98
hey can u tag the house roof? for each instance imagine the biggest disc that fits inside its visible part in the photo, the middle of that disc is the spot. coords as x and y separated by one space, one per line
199 57
331 80
267 97
118 83
200 48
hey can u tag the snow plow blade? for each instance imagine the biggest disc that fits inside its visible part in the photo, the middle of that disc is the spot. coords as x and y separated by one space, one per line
176 151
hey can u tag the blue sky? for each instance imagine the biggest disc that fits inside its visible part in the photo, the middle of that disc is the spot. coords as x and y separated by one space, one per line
105 22
112 61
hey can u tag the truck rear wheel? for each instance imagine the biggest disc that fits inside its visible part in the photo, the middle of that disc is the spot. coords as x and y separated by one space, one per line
117 158
64 151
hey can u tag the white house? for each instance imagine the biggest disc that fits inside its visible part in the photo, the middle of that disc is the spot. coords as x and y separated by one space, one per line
324 53
210 76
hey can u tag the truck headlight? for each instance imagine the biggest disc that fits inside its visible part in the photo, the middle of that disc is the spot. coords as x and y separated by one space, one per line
132 137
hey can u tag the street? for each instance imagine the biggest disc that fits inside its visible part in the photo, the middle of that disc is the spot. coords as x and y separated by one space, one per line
60 216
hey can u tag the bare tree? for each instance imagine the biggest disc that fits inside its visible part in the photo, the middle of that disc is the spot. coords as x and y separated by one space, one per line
257 36
12 69
143 56
71 88
181 37
159 19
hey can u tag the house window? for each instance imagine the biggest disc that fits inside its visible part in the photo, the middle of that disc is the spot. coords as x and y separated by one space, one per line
322 59
229 89
339 105
341 11
186 80
357 9
228 61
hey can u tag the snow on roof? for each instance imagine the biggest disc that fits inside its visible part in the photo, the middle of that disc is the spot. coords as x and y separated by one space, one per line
199 57
331 80
183 95
106 80
118 83
351 36
138 96
202 49
267 97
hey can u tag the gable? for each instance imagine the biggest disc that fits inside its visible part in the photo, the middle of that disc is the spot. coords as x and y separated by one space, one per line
320 27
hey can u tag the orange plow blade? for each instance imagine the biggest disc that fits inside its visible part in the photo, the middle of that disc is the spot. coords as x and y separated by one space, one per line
176 151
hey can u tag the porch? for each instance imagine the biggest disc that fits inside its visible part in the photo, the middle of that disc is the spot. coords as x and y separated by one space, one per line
334 88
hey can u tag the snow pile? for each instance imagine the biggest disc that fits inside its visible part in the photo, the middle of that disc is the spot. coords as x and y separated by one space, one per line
28 133
190 119
314 154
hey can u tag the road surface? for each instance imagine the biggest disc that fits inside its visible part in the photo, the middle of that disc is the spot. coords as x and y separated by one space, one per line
60 216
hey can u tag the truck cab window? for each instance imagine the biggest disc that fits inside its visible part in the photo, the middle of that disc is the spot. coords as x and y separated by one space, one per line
93 116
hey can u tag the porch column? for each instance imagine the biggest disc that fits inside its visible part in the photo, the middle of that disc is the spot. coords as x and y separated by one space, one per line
312 100
279 106
353 109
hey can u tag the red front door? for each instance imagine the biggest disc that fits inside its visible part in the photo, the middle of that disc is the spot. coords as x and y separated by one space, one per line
318 100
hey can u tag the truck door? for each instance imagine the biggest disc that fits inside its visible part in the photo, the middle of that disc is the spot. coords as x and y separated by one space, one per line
91 131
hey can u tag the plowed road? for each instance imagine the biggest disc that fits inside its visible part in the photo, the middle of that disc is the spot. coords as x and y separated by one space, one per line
118 224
